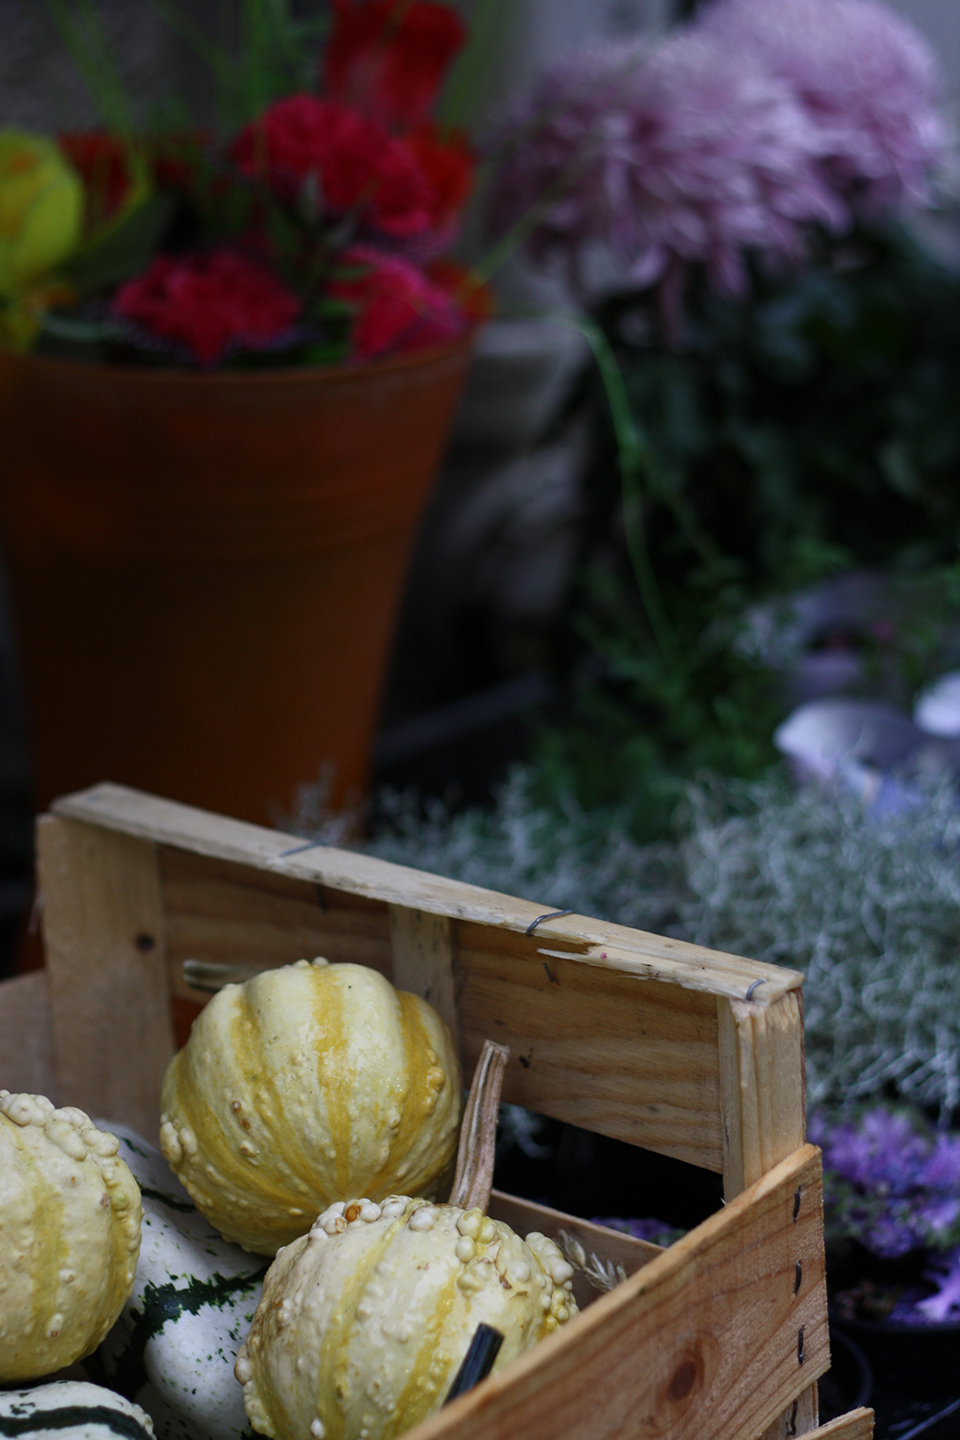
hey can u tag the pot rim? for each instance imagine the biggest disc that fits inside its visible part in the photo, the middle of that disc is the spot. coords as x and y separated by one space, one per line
894 1327
161 375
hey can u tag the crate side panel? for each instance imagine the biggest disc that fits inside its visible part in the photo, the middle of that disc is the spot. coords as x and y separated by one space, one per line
223 913
26 1039
703 1343
104 937
633 1059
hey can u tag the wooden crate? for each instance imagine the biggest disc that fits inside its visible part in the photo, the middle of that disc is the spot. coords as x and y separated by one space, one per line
682 1050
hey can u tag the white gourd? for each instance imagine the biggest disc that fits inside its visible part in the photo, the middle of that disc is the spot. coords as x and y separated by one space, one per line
69 1235
71 1410
176 1339
305 1085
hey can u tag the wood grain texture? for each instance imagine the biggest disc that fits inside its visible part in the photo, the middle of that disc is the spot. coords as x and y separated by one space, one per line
26 1037
103 933
608 946
700 1344
598 1048
761 1086
799 1418
855 1425
423 948
608 1246
219 911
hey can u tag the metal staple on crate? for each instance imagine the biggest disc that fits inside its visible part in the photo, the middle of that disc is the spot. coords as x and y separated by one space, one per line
550 915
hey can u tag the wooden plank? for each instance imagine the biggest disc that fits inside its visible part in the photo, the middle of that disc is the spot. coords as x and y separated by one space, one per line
652 957
710 1341
855 1425
26 1037
103 931
225 913
598 1241
762 1092
799 1418
597 1048
423 948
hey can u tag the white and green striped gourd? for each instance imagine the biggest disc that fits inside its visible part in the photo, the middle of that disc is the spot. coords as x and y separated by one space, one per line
174 1345
71 1410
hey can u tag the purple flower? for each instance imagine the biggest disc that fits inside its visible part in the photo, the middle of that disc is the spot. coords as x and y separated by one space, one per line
944 1305
868 84
890 1182
689 151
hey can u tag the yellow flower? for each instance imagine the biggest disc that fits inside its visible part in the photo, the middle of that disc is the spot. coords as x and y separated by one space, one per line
41 209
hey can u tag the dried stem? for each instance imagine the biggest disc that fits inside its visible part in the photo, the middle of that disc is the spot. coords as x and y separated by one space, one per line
474 1177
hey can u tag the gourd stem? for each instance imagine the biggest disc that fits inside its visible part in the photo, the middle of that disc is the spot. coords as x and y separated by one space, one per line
474 1175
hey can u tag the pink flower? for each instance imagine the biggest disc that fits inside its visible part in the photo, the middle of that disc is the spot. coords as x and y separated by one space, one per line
208 304
397 307
867 82
352 160
390 56
687 151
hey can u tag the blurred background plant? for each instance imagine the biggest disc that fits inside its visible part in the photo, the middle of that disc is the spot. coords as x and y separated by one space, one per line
775 361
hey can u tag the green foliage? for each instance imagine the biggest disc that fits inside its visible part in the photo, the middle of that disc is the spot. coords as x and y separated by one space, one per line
812 425
262 50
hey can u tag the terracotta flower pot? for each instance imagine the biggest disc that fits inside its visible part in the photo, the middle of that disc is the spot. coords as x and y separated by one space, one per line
205 570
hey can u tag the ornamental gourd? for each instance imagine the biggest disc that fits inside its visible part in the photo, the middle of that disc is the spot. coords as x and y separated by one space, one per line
364 1322
69 1235
71 1410
173 1347
303 1086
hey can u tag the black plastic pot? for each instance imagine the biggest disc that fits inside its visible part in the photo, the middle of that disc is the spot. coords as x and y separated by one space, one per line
849 1381
920 1360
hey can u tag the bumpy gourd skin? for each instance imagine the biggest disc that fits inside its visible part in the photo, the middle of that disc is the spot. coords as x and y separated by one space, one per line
364 1322
69 1235
305 1085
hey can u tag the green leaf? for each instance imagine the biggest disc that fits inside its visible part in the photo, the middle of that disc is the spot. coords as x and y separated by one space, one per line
122 249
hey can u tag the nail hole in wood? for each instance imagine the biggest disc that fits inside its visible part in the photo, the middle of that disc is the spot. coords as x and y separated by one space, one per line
796 1203
321 898
144 942
525 1060
800 1346
798 1277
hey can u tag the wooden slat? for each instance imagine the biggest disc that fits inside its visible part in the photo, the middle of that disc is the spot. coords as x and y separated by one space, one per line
799 1418
26 1038
235 914
607 1245
607 946
703 1343
623 1057
104 937
762 1101
423 948
856 1425
761 1086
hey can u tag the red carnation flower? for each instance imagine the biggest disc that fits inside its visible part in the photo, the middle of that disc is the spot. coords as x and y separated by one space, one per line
102 162
208 303
357 165
397 307
448 167
389 57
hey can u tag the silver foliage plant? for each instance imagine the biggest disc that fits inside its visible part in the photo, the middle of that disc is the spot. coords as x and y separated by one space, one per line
866 902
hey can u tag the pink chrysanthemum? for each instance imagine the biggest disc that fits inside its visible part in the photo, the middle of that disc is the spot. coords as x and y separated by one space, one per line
687 151
868 84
